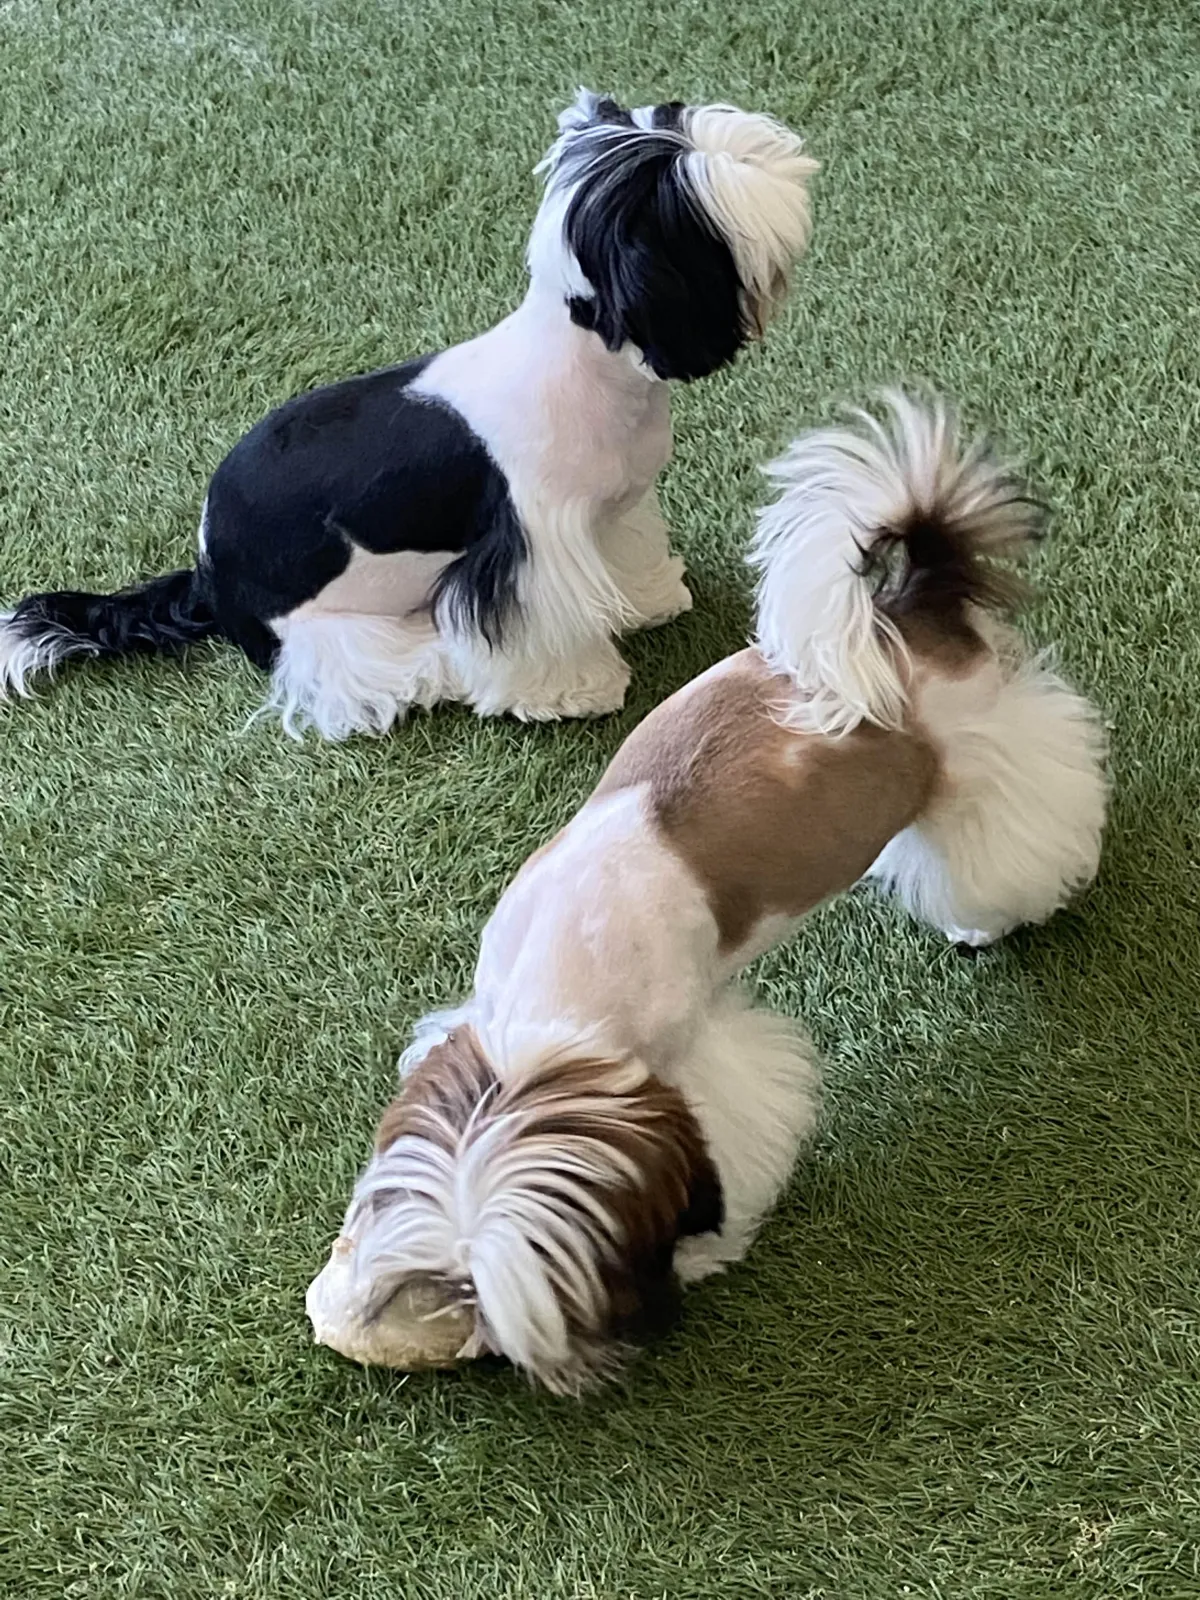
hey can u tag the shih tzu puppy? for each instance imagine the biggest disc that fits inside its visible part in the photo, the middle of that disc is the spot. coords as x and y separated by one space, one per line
477 525
605 1113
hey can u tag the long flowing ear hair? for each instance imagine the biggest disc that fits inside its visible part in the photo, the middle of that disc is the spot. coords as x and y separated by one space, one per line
680 225
550 1201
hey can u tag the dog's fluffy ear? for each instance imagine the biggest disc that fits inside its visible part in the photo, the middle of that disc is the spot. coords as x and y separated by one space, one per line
646 1295
672 229
663 278
657 1183
549 1200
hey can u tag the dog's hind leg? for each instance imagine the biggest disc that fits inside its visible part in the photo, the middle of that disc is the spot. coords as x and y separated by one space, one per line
347 674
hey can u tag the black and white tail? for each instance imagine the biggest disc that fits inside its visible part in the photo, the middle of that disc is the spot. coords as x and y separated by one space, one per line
47 629
877 521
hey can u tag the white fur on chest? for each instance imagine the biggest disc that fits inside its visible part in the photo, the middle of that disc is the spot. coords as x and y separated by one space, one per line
565 420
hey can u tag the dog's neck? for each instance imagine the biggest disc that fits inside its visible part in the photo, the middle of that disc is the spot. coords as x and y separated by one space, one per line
546 316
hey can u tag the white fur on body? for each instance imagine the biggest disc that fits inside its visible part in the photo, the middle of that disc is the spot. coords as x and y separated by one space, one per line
580 434
578 431
606 942
1016 827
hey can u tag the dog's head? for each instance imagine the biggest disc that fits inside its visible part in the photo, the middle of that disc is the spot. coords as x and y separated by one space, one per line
671 229
533 1216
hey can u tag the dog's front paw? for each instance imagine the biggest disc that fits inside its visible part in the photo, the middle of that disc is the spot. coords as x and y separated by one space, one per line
969 940
701 1255
665 597
584 700
669 606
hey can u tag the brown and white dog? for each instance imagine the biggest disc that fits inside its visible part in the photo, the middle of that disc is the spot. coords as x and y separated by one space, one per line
606 1114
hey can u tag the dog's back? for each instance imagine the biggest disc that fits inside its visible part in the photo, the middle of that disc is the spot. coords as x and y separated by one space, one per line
882 604
770 819
889 720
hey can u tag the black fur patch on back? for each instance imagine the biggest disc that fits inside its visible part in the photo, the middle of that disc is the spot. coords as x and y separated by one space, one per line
664 276
358 463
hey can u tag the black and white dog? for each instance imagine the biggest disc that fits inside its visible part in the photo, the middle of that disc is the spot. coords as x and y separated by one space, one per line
477 525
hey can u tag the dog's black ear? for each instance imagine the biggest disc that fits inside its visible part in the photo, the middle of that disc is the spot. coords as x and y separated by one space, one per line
663 278
705 1210
668 115
607 110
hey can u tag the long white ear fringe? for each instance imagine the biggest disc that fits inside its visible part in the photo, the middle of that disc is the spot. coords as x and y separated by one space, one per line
751 175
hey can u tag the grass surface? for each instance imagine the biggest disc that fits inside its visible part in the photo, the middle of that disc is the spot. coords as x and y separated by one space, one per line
964 1359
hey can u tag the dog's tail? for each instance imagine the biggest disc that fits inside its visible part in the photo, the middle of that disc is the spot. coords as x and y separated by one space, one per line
879 523
47 629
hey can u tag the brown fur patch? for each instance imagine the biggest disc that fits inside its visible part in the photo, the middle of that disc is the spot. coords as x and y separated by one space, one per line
771 821
935 565
954 652
439 1094
675 1189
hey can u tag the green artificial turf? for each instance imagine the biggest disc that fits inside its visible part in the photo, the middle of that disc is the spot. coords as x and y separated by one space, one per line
964 1358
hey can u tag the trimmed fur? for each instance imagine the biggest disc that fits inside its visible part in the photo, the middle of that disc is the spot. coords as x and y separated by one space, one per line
599 979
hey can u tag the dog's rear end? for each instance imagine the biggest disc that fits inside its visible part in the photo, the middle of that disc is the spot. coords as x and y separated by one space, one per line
880 598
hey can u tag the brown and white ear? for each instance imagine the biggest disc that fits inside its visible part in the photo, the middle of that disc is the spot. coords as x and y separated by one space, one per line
534 1216
646 1291
618 1171
393 1292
